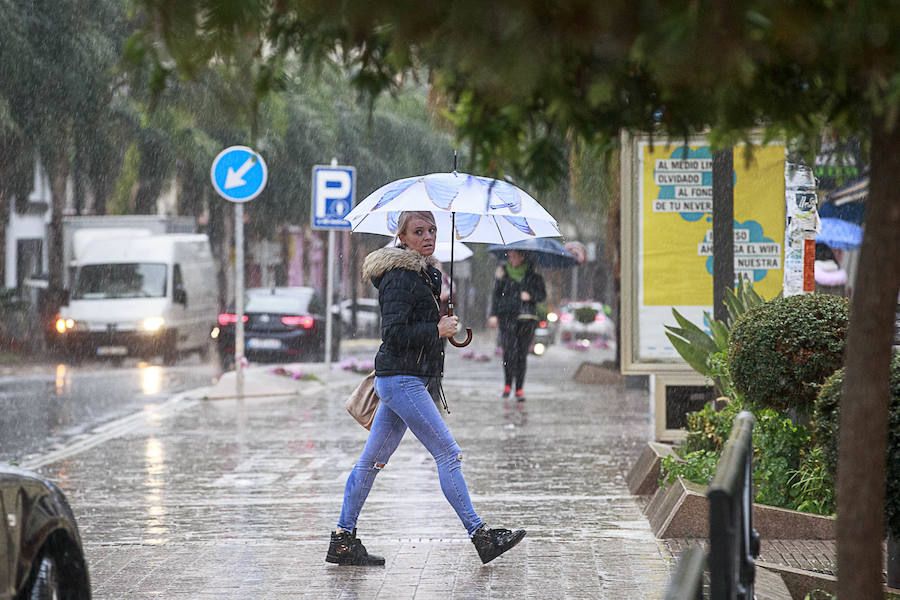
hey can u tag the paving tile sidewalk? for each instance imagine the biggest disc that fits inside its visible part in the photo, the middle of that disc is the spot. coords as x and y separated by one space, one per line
230 499
213 497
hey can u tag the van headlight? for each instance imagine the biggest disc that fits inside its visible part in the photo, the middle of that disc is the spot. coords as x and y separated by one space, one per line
153 323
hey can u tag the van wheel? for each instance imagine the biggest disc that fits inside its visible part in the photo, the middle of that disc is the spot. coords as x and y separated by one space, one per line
170 350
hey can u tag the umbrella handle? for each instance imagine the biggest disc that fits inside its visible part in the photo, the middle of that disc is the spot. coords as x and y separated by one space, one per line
468 339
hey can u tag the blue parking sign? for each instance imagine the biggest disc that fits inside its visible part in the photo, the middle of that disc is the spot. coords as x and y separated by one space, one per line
333 196
239 174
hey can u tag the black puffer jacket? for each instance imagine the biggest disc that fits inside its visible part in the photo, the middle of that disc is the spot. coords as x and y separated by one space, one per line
507 303
408 285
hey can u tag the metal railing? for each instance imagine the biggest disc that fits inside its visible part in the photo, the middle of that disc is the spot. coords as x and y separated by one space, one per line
733 543
686 583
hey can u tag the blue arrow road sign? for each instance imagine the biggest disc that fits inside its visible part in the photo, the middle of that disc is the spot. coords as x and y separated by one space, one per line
239 174
334 194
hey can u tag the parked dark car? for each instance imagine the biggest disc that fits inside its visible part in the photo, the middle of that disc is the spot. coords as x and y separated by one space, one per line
41 555
281 324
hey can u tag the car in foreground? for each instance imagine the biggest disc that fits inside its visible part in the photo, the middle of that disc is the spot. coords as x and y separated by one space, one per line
41 554
281 324
585 321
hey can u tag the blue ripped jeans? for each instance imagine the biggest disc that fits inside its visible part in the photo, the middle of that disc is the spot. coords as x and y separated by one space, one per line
406 403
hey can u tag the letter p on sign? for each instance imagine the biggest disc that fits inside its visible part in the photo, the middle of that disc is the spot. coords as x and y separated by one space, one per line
334 195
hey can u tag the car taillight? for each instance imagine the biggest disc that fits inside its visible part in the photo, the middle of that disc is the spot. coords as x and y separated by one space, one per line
600 318
542 324
229 319
306 322
565 318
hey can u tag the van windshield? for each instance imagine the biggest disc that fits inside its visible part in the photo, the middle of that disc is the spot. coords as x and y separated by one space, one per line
120 280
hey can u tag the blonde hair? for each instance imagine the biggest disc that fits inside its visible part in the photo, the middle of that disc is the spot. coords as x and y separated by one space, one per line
406 215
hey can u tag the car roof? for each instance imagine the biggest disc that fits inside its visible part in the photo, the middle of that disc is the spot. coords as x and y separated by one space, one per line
277 303
293 290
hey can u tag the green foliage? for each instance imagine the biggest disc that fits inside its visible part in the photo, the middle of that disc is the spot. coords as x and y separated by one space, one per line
812 485
708 429
782 474
120 203
703 350
825 430
778 445
698 466
585 314
781 351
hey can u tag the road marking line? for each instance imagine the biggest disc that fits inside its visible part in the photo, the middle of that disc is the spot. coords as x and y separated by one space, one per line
119 427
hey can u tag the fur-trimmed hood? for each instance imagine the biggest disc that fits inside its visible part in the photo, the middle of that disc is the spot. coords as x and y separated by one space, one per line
381 261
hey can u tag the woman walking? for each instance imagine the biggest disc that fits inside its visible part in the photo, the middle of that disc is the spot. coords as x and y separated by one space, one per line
409 363
518 290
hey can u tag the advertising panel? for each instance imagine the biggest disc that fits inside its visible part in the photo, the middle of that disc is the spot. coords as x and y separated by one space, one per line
667 238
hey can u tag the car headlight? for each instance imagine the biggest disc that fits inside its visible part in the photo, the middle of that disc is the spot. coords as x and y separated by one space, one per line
552 317
64 325
153 323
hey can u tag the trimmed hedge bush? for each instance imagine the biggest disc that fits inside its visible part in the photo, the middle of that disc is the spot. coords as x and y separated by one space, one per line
779 352
825 431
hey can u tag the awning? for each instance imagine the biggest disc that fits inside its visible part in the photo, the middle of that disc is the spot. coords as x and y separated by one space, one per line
854 192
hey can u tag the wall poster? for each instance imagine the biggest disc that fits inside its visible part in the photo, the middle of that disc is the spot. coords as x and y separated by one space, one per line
667 238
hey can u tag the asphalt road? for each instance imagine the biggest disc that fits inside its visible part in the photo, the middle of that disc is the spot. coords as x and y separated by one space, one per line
45 405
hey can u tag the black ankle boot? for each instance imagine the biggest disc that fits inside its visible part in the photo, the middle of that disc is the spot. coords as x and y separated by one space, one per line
346 549
491 543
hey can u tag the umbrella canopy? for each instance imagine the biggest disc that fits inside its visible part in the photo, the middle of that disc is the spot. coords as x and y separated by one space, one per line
542 252
839 234
442 250
465 207
486 210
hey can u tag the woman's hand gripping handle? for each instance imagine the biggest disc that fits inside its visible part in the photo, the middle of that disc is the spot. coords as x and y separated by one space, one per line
449 325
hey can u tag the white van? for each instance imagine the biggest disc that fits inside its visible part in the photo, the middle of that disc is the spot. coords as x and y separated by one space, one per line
140 295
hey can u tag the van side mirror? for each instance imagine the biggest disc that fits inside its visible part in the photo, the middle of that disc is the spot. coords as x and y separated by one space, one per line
179 296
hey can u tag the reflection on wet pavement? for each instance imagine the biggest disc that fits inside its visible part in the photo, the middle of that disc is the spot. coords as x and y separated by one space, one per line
233 499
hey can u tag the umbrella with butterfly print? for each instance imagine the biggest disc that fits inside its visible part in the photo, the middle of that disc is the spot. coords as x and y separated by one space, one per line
466 208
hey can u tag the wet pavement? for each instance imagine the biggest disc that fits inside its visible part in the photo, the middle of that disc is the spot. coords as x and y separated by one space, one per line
196 497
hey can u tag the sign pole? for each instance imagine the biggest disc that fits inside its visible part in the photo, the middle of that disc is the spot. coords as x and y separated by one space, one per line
329 294
239 174
239 298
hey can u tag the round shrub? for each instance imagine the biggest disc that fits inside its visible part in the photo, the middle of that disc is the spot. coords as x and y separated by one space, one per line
825 430
780 351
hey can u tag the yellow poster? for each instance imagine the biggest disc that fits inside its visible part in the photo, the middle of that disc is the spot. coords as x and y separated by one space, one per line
676 222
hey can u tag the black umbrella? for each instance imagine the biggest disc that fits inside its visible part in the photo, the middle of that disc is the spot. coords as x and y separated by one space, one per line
542 252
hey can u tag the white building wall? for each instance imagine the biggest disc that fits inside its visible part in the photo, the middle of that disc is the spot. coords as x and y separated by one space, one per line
29 225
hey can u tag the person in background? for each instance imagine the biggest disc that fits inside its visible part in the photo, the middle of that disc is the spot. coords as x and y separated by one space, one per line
408 370
518 290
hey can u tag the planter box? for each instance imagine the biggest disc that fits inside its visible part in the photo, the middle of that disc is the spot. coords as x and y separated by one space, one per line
682 510
643 478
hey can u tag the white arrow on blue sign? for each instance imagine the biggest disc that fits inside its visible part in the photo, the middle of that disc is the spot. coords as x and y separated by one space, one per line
333 196
239 174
